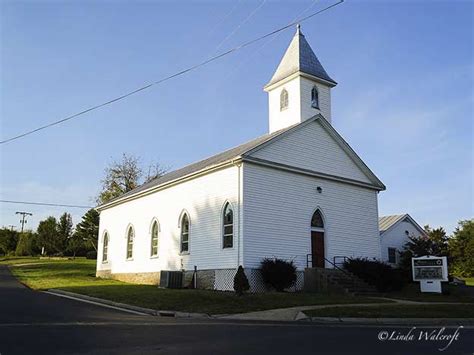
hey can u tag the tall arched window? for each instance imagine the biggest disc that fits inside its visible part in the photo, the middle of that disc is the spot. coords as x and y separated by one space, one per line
185 233
314 97
317 220
105 247
154 238
130 238
228 226
283 100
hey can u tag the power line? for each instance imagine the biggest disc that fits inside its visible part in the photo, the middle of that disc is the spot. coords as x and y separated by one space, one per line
184 71
243 22
264 44
44 204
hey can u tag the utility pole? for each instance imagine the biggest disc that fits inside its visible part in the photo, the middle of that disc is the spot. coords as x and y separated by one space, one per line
23 218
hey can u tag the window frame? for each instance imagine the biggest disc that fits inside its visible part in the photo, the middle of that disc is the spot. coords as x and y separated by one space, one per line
227 205
389 249
284 99
315 227
184 216
154 223
313 100
130 243
105 248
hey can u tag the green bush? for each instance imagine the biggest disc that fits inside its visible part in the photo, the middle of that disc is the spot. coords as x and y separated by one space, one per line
277 273
376 273
91 255
241 283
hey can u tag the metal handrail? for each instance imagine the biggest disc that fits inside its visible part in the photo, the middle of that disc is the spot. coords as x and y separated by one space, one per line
344 258
351 276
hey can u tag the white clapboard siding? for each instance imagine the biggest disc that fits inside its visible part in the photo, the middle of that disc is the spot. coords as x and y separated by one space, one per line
311 147
299 103
278 206
396 237
307 111
203 198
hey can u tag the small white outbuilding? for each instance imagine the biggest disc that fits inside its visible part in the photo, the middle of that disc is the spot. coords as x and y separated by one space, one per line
299 192
394 233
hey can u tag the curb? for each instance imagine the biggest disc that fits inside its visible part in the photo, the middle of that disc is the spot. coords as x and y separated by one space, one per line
406 321
149 311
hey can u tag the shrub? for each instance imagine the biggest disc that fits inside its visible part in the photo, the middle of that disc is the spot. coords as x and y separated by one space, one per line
279 274
376 273
241 283
91 254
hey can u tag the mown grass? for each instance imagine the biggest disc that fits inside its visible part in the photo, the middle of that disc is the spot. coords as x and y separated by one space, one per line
396 311
451 293
469 281
79 276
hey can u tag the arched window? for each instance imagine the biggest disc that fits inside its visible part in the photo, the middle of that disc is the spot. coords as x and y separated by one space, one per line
105 247
185 233
283 100
317 220
315 97
154 238
130 238
228 226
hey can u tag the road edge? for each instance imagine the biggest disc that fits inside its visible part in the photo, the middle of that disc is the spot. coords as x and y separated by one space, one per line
124 307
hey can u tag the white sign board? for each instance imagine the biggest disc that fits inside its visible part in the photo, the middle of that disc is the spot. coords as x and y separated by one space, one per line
430 271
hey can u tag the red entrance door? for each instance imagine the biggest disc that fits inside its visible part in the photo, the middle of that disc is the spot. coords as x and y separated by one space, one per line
317 249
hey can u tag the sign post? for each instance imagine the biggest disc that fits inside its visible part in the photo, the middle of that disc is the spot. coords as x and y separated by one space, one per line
430 271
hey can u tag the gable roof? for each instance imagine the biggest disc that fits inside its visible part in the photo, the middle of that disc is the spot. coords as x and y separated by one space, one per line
299 57
201 165
242 152
388 222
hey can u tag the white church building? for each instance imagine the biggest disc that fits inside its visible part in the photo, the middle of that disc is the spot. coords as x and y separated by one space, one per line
299 193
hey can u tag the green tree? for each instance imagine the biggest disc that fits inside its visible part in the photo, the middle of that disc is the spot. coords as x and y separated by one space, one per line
125 175
88 229
435 242
27 244
8 240
64 229
48 236
461 248
76 246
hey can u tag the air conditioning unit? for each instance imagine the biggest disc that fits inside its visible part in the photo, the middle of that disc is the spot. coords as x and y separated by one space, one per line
171 279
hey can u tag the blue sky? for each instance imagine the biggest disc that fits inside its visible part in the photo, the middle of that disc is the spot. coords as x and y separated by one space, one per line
404 99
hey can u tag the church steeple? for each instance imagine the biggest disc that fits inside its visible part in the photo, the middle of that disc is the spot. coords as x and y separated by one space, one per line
300 87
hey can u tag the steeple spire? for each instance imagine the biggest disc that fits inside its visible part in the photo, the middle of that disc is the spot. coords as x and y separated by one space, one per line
300 88
300 57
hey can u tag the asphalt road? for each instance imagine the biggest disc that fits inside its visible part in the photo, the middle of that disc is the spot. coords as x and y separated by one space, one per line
38 323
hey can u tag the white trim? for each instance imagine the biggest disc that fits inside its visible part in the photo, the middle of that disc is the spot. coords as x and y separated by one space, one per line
320 230
412 221
153 221
127 236
284 80
227 202
104 234
184 212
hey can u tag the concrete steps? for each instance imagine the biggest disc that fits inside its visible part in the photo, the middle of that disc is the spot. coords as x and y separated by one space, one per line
350 283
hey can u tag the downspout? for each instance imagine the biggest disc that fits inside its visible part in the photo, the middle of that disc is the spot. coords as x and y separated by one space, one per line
238 164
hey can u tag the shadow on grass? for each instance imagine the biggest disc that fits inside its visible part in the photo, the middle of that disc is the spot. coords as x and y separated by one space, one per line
207 301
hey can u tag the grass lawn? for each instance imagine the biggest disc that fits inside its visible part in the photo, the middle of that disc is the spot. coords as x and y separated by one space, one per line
469 281
399 311
412 292
78 276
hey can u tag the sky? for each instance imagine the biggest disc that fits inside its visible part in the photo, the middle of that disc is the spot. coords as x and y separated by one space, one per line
404 99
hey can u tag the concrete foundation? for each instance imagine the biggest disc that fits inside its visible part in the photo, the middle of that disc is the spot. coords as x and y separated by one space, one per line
143 278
